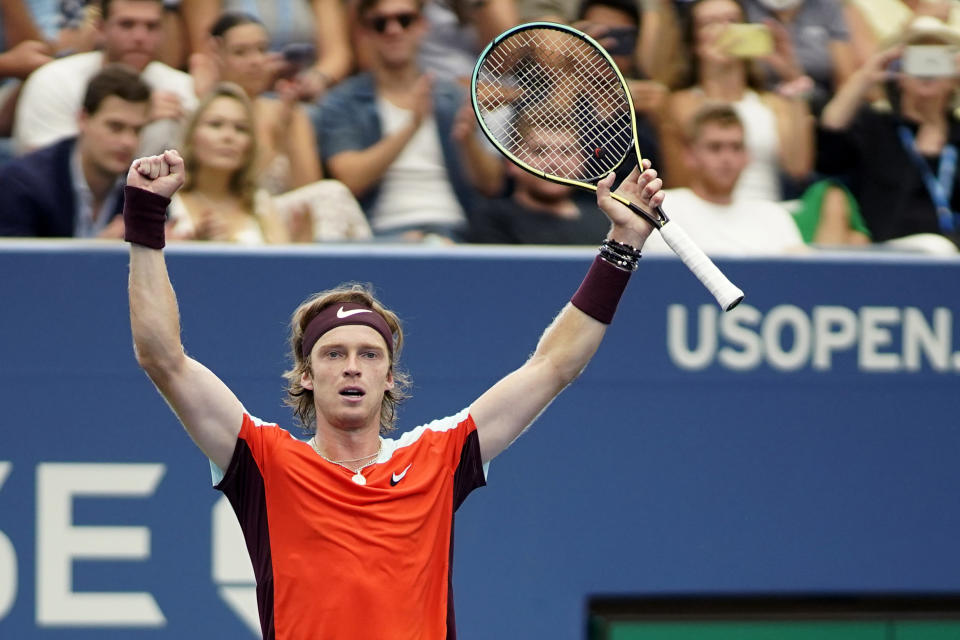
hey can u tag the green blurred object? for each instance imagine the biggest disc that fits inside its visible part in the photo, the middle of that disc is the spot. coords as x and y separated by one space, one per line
807 212
866 617
786 630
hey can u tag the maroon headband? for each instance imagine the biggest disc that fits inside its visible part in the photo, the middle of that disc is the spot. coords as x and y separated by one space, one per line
340 314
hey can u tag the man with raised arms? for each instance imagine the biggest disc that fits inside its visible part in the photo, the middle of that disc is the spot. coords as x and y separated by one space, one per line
350 532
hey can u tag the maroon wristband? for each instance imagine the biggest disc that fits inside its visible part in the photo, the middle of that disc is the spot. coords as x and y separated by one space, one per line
144 217
600 290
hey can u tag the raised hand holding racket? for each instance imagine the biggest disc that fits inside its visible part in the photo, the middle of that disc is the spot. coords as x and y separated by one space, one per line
641 188
553 102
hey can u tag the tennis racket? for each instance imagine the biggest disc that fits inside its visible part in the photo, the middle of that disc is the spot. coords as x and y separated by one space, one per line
552 101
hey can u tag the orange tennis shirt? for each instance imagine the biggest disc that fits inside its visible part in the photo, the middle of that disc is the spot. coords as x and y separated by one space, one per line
338 560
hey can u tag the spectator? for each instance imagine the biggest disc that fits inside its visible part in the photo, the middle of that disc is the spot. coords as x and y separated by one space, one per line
778 127
74 187
716 155
816 31
238 53
902 161
539 211
221 200
131 33
313 35
405 144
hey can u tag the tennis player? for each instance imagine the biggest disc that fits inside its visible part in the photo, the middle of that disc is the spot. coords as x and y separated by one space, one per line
350 532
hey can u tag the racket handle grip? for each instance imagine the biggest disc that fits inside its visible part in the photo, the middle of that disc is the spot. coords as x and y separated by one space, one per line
726 293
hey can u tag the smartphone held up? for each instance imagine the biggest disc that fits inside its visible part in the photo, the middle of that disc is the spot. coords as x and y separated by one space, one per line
746 40
930 49
929 61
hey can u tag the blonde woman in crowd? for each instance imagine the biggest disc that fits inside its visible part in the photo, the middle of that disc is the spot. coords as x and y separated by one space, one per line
220 200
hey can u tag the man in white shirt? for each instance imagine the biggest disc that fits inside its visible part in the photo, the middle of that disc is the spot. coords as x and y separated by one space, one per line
404 143
716 156
131 32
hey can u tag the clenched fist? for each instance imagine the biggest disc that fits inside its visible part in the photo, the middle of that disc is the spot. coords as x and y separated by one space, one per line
162 174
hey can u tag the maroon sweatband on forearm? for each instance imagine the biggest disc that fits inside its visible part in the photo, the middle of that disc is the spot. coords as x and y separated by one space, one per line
144 217
600 291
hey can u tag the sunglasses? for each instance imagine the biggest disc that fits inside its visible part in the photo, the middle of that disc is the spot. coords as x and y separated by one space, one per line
379 23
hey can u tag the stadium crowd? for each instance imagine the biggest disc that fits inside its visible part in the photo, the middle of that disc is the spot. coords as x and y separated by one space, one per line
777 125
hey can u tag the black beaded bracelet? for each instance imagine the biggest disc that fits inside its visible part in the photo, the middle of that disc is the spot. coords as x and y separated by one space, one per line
623 249
617 260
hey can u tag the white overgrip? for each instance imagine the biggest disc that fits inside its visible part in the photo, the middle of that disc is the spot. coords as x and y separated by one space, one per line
726 293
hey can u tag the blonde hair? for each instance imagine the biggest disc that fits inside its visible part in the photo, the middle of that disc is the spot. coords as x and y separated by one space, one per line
243 182
301 399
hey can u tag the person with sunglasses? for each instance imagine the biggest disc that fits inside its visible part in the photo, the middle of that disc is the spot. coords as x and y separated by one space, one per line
404 142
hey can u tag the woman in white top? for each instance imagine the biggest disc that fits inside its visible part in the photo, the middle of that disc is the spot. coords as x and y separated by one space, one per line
778 125
223 199
220 200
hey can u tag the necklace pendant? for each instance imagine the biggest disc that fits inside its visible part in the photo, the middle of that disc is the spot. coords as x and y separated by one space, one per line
359 479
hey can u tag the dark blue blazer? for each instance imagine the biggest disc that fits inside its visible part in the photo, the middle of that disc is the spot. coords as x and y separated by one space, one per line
36 194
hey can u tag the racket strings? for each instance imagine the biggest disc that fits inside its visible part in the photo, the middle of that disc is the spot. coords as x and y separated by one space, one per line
555 103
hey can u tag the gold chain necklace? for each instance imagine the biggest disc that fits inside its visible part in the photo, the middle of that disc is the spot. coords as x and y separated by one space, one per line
358 476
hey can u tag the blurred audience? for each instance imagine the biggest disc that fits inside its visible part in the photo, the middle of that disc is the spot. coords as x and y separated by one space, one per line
901 162
716 155
778 125
539 211
405 143
874 24
74 188
816 39
131 34
614 24
457 31
237 52
733 136
654 24
221 200
311 36
23 49
66 26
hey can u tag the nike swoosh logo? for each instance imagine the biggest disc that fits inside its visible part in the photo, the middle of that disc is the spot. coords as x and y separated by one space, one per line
346 314
397 477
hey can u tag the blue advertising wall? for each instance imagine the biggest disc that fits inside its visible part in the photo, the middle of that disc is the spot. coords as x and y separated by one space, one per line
806 442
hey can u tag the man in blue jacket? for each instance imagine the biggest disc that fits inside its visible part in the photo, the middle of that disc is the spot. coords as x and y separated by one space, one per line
404 143
74 187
